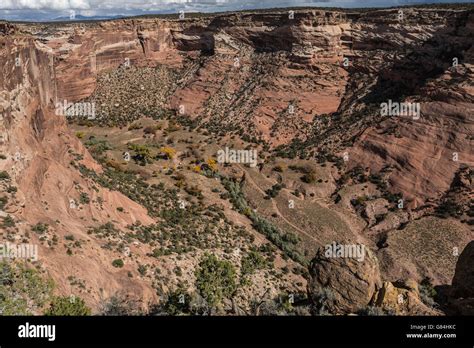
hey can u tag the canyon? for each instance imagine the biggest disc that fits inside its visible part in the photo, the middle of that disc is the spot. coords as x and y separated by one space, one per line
304 90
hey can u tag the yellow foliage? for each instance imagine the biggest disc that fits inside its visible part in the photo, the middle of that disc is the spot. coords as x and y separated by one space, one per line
80 135
248 212
168 152
212 163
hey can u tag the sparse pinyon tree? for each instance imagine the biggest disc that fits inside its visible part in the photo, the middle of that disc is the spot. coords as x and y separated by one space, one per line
215 279
22 290
64 306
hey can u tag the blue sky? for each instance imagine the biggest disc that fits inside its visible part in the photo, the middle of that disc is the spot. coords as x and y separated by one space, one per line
50 9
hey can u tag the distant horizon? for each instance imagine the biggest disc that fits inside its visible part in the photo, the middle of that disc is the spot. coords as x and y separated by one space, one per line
70 10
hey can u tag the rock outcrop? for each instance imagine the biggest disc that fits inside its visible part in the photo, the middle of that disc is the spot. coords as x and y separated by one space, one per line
343 285
463 281
402 298
460 296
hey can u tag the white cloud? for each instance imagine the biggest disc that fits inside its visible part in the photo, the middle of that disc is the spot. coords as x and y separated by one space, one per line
45 4
50 9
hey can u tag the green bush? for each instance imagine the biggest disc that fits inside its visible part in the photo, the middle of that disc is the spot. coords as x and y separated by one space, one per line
177 302
120 305
4 175
215 279
40 228
142 154
309 177
84 198
22 290
3 202
8 222
428 292
252 262
67 305
118 263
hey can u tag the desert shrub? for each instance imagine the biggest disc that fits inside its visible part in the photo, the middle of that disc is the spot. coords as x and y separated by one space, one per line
392 197
168 152
427 292
215 279
376 179
68 306
321 297
173 127
117 263
279 168
142 269
111 163
448 208
134 126
8 221
359 202
80 135
177 302
273 192
150 130
103 231
84 198
281 305
309 176
40 228
252 262
4 175
97 147
119 305
372 311
142 154
22 290
3 202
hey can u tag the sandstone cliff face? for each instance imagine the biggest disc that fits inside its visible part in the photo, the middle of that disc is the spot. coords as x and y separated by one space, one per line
38 149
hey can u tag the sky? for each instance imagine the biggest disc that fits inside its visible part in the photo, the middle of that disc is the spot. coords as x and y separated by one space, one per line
41 10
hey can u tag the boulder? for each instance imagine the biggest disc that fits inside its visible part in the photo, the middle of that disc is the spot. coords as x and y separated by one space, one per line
343 285
463 280
460 296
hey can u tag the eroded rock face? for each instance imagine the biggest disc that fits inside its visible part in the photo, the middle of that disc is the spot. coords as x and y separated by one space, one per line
40 149
343 285
463 281
402 299
459 297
